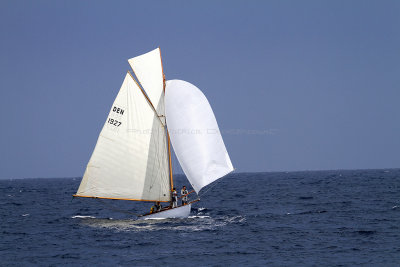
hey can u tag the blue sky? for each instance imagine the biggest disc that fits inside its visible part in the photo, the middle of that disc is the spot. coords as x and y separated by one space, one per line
295 85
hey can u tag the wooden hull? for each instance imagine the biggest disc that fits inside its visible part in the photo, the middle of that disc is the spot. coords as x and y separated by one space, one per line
179 212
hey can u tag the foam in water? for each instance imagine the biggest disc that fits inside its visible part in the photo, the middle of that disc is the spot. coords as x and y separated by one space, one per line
82 217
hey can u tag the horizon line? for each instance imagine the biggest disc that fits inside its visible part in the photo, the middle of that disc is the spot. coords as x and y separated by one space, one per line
309 170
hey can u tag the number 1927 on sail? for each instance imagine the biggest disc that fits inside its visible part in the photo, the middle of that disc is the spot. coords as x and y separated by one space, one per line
114 122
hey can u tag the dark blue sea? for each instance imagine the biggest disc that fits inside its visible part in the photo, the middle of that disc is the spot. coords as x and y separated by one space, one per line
309 218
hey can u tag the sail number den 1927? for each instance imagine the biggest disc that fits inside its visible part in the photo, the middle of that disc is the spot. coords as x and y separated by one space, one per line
115 122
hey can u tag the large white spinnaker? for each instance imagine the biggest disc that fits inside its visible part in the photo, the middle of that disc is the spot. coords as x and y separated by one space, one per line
195 135
149 71
130 160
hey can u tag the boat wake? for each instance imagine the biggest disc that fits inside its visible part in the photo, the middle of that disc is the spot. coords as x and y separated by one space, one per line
194 223
82 217
199 216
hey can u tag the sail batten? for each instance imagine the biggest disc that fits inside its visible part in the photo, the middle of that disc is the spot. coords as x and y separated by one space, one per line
195 135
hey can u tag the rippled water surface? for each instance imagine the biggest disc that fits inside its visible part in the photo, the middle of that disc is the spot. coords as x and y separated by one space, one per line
319 218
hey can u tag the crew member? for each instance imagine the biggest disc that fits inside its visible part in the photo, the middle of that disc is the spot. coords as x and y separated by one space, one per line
184 196
174 198
156 207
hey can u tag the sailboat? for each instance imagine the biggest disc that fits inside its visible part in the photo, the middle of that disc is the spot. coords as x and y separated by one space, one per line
132 157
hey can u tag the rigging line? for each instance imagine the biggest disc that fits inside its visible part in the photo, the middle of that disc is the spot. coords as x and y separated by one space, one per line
212 186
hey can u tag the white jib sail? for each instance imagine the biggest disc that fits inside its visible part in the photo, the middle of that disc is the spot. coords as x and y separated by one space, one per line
130 160
195 134
148 70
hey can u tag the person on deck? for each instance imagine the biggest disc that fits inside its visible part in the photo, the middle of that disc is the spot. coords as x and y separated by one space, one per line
153 208
174 198
156 207
184 196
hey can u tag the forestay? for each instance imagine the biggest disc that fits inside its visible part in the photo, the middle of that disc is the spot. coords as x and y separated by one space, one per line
148 69
195 134
130 159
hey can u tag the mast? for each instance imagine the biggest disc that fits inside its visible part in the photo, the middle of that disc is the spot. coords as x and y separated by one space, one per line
170 163
169 140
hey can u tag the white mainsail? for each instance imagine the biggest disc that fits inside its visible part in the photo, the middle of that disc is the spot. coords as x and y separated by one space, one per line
149 71
195 135
130 160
